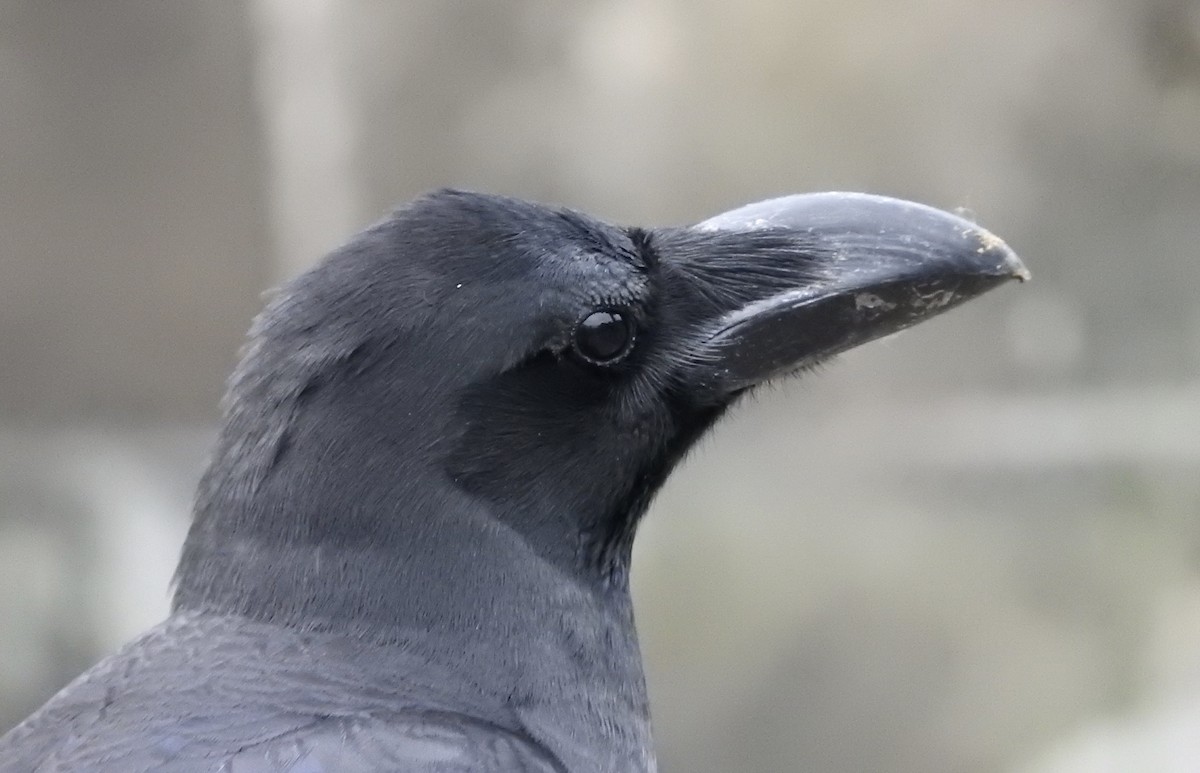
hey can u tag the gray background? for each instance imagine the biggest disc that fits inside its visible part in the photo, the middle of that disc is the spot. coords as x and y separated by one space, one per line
971 547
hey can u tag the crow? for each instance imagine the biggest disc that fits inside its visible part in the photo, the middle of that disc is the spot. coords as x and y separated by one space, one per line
410 550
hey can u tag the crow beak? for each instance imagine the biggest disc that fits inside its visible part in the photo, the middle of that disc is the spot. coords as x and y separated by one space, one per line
871 265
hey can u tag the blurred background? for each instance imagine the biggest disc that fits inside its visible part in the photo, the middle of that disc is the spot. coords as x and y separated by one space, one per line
971 547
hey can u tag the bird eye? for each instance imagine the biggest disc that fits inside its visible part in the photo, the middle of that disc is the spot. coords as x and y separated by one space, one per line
603 337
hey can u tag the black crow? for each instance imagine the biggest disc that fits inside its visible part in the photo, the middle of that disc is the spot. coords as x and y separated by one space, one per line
410 551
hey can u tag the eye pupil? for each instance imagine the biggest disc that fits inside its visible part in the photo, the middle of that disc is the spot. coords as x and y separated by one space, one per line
603 336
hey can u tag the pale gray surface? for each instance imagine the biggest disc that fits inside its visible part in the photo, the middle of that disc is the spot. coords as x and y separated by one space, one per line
971 547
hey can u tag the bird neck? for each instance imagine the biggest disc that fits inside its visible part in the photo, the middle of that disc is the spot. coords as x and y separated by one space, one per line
328 525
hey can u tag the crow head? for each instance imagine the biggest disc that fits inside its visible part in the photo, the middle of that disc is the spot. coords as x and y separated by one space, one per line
478 385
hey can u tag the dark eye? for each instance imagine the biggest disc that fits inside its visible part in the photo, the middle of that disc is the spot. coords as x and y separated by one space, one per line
604 337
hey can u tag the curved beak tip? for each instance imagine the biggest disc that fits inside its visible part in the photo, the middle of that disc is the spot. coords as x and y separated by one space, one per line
1009 263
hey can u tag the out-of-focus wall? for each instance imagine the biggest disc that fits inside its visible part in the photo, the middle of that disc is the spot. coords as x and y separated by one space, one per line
133 212
971 547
